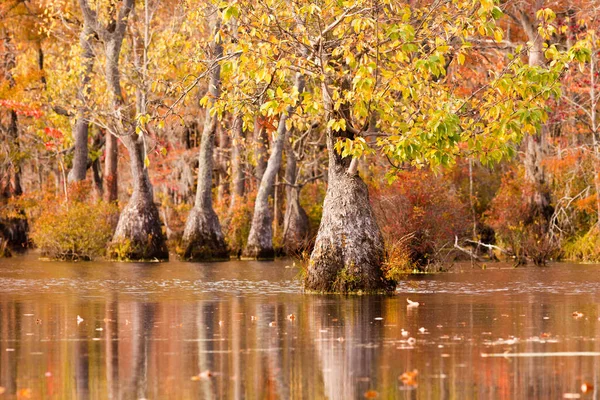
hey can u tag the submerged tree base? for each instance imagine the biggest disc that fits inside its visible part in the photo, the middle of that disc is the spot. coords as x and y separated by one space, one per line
349 251
14 235
139 236
202 238
258 253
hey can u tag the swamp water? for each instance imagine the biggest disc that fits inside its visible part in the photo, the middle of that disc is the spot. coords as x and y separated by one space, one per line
245 330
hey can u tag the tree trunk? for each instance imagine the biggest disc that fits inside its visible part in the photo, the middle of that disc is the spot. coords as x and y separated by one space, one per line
202 236
295 223
222 158
237 165
539 198
15 231
260 239
349 250
111 165
139 234
81 128
535 172
261 144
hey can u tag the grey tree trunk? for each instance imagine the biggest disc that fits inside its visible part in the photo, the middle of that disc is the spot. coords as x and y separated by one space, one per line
138 235
111 167
534 144
295 222
540 211
238 186
81 128
202 236
222 159
349 250
260 239
261 145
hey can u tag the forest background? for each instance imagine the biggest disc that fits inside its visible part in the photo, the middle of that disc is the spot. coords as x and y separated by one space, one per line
131 129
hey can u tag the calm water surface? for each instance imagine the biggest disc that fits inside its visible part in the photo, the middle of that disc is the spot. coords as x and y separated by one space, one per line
245 330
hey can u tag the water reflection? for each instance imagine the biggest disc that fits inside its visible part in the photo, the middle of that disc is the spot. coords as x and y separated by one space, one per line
244 330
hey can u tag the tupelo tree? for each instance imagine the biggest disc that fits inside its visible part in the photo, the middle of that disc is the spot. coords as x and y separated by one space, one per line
384 78
138 235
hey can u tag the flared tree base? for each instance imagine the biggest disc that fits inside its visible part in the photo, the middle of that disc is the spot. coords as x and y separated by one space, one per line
349 252
256 252
14 235
139 236
202 238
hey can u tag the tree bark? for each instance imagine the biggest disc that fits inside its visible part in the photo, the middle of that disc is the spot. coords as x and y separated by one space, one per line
540 208
202 236
260 239
238 186
139 235
222 158
81 128
295 222
261 144
111 165
349 250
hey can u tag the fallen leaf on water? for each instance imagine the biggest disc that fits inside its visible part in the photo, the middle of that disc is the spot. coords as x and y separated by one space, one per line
586 387
577 314
371 394
412 303
409 378
205 374
202 375
38 321
24 393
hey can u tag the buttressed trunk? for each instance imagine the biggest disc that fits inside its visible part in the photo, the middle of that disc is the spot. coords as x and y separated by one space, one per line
349 250
535 172
260 239
202 236
139 235
81 128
